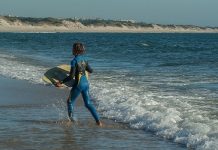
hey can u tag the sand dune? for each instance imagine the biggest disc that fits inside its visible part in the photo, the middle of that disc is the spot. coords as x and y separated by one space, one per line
21 24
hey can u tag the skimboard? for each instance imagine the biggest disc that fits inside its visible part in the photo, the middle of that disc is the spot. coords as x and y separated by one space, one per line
58 73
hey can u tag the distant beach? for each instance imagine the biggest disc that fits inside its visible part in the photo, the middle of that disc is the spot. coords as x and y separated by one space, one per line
26 24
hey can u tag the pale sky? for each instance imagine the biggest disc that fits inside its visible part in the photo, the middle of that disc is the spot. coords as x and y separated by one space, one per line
194 12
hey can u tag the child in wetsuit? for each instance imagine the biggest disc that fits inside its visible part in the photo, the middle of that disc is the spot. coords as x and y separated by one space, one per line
79 69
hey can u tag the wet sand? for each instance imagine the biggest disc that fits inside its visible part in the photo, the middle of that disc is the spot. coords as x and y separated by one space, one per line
35 117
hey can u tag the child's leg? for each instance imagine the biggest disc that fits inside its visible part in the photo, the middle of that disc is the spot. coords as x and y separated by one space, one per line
74 93
69 106
89 105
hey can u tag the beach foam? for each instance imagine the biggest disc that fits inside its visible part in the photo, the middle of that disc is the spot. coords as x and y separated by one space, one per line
171 117
13 68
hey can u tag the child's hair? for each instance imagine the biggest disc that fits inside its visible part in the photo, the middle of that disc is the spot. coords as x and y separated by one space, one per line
78 49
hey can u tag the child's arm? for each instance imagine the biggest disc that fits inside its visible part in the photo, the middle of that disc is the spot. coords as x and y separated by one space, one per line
70 77
88 68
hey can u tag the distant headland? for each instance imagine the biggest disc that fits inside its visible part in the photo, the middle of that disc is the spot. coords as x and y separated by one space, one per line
30 24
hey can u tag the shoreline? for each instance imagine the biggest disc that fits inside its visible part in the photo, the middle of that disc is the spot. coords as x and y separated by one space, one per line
54 30
125 105
41 122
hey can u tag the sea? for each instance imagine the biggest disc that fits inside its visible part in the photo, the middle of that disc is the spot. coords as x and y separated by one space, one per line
164 84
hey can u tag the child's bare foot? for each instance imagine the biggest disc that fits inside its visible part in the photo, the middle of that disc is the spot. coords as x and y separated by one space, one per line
99 123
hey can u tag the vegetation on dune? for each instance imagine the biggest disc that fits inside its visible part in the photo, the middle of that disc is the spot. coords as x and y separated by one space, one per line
34 21
85 22
113 23
93 22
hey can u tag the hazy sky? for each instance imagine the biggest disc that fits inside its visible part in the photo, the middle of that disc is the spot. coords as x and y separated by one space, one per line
196 12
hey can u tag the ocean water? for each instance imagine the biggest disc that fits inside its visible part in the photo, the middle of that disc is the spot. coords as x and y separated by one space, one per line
164 84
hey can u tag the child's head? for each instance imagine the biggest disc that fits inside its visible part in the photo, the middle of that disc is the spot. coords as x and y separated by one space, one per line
78 49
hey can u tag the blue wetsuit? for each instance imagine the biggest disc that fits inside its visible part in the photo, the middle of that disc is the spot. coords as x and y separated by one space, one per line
79 68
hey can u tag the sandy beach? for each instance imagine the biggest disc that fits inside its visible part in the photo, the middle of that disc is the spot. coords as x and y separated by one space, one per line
91 29
34 117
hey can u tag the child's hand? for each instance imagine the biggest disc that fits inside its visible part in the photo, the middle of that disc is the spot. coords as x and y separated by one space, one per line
58 84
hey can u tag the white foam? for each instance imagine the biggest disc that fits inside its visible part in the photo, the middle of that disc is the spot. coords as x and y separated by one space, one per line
12 68
145 44
169 116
